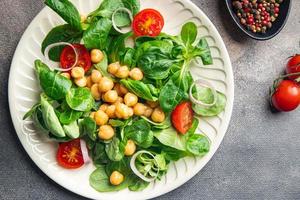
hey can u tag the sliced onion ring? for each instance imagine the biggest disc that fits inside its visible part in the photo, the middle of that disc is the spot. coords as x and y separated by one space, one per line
136 171
84 151
49 47
207 84
113 19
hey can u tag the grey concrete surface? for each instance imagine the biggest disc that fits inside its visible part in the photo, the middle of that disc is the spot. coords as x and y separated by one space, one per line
259 157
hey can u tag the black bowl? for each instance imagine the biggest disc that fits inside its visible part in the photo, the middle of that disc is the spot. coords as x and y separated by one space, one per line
277 25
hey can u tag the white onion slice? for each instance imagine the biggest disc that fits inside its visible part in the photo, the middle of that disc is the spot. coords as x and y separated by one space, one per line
49 47
84 151
113 19
207 84
136 171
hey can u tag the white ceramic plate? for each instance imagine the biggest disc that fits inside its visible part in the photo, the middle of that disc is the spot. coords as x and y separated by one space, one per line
24 92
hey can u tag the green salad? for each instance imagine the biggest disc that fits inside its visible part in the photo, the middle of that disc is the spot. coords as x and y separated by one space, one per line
118 91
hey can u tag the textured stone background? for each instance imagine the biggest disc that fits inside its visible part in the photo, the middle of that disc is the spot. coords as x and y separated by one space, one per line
260 155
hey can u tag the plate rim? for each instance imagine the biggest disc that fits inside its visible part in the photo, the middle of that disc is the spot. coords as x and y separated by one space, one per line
223 128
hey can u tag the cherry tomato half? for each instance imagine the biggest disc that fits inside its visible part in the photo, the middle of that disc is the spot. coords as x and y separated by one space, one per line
293 66
148 22
69 154
182 117
286 96
67 57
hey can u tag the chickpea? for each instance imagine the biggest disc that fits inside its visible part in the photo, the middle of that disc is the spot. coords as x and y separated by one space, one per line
158 115
106 132
96 56
123 89
121 110
111 111
92 115
77 72
122 72
136 74
96 76
148 112
130 99
110 96
104 107
152 104
95 92
113 68
80 82
130 112
116 178
119 100
66 75
139 109
101 118
105 84
82 18
89 82
129 148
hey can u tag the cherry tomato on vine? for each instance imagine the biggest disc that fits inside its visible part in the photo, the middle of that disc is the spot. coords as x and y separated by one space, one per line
182 117
69 154
67 57
293 66
148 22
286 96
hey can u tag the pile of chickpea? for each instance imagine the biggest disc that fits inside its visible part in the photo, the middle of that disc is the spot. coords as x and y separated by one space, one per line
118 101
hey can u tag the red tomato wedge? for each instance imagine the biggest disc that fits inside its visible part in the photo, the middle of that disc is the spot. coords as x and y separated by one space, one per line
67 57
69 154
148 22
182 117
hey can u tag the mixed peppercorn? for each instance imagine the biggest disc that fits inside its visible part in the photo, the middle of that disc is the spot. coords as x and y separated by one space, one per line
257 15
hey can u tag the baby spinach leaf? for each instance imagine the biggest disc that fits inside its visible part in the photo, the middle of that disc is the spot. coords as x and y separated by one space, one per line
136 183
116 123
155 64
115 150
98 154
140 89
68 116
80 99
50 118
121 166
188 33
72 130
133 5
31 111
118 47
170 96
88 127
205 95
67 11
165 47
37 117
127 57
202 50
102 67
198 145
54 85
172 154
106 9
99 180
96 36
171 138
140 132
62 33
